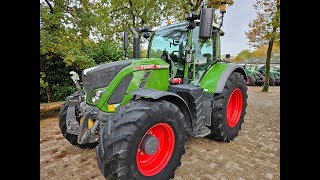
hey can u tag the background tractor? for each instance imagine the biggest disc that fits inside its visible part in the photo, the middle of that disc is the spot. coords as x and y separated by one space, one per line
138 112
276 71
272 75
259 78
251 75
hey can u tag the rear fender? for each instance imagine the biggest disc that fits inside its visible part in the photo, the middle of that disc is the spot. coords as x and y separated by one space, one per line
216 77
226 73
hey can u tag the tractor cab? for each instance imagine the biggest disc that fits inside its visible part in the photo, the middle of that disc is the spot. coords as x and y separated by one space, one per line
170 44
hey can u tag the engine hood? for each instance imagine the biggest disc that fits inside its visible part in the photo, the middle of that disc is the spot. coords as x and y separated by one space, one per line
101 75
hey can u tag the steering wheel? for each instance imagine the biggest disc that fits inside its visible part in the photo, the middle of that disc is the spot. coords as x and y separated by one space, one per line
179 56
176 52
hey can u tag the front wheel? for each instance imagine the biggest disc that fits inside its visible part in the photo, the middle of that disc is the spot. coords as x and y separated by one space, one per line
146 141
229 110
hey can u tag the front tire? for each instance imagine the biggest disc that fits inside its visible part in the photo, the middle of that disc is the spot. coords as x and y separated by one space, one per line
229 110
120 154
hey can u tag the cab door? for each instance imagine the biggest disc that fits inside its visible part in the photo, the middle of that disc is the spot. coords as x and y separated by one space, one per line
204 54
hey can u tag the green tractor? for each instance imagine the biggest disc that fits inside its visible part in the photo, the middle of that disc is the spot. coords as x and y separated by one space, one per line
251 75
138 112
259 78
272 75
276 71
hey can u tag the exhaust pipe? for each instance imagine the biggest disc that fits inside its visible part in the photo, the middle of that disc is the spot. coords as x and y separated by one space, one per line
125 45
136 43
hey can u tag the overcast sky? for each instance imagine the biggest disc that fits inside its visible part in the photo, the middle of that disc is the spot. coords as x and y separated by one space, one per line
235 24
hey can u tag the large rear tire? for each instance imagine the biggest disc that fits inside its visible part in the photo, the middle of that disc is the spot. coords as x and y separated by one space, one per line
120 154
229 110
63 127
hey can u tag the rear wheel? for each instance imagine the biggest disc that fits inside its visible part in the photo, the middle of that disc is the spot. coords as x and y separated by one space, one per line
271 81
63 127
230 108
259 80
146 141
251 81
277 83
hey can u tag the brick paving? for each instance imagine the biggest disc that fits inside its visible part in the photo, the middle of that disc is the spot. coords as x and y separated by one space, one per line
254 154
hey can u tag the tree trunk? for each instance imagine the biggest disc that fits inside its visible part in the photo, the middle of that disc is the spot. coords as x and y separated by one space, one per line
270 45
267 72
132 13
47 88
49 93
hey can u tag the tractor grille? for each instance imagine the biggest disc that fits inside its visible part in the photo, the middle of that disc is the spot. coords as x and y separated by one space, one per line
102 75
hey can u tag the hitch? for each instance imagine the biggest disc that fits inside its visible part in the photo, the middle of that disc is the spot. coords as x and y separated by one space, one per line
87 135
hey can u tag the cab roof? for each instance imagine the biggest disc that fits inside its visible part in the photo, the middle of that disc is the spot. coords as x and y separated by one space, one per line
182 26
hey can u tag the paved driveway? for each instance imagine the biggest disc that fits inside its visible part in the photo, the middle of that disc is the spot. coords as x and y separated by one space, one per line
254 154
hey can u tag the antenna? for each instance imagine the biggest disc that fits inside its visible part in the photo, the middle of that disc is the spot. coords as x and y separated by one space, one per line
204 4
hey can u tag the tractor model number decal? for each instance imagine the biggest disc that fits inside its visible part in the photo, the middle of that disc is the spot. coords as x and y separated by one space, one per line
151 66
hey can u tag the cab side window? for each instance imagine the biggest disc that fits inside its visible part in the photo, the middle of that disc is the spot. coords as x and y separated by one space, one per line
203 47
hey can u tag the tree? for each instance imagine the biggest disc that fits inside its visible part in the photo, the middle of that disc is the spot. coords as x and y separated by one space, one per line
262 51
66 26
243 55
265 30
116 16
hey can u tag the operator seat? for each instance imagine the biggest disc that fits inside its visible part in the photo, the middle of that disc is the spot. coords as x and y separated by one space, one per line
174 57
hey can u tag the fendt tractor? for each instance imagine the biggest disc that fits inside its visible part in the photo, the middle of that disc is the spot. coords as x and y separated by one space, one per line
137 112
273 75
251 75
254 77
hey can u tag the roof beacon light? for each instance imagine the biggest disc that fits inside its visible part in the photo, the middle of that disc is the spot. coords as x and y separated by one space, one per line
223 8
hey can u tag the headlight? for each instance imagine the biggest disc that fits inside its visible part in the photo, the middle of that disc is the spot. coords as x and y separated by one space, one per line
97 96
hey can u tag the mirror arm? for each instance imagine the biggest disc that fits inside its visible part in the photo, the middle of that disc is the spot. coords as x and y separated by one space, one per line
221 22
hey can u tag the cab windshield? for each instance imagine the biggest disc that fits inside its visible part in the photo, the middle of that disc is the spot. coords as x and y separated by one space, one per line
170 40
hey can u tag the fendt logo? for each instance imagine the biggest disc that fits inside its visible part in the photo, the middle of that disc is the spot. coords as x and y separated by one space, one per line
151 66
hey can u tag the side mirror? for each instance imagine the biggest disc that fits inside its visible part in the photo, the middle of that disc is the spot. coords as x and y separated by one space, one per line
206 21
146 35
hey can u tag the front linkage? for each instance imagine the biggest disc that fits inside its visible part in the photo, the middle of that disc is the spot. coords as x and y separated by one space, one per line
76 107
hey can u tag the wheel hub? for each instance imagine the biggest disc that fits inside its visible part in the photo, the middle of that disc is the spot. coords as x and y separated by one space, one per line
152 159
149 144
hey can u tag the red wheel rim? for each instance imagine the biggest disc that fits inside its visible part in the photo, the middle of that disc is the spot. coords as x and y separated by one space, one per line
248 80
234 108
150 165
